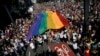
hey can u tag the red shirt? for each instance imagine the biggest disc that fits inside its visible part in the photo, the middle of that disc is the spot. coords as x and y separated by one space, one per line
87 52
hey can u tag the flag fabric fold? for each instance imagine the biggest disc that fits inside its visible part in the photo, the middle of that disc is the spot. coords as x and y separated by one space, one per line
46 20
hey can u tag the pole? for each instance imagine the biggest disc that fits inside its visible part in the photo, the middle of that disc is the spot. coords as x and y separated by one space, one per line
8 13
86 16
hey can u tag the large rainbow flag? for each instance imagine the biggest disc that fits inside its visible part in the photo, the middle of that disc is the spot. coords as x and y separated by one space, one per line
46 20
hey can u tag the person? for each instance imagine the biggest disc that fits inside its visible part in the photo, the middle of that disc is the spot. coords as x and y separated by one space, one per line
75 47
40 40
87 51
32 45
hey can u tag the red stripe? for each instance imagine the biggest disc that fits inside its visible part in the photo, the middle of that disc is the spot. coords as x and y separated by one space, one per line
63 20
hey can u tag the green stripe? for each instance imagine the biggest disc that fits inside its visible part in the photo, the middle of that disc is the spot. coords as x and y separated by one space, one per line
43 26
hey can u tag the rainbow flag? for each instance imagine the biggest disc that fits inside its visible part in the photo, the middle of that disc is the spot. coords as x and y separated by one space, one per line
46 20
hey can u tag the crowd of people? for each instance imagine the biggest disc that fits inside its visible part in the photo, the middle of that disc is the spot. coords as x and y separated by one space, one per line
13 38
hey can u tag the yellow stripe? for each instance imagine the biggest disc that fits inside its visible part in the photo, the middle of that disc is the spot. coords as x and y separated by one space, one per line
53 21
49 20
56 21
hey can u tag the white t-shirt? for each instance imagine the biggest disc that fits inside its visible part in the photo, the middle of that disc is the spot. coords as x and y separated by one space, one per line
75 46
64 35
74 37
45 36
30 10
21 44
32 45
79 36
40 40
61 35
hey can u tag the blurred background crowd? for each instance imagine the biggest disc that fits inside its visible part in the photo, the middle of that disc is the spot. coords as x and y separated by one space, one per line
13 37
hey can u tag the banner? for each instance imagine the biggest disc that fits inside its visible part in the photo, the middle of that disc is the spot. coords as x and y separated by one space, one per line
62 49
